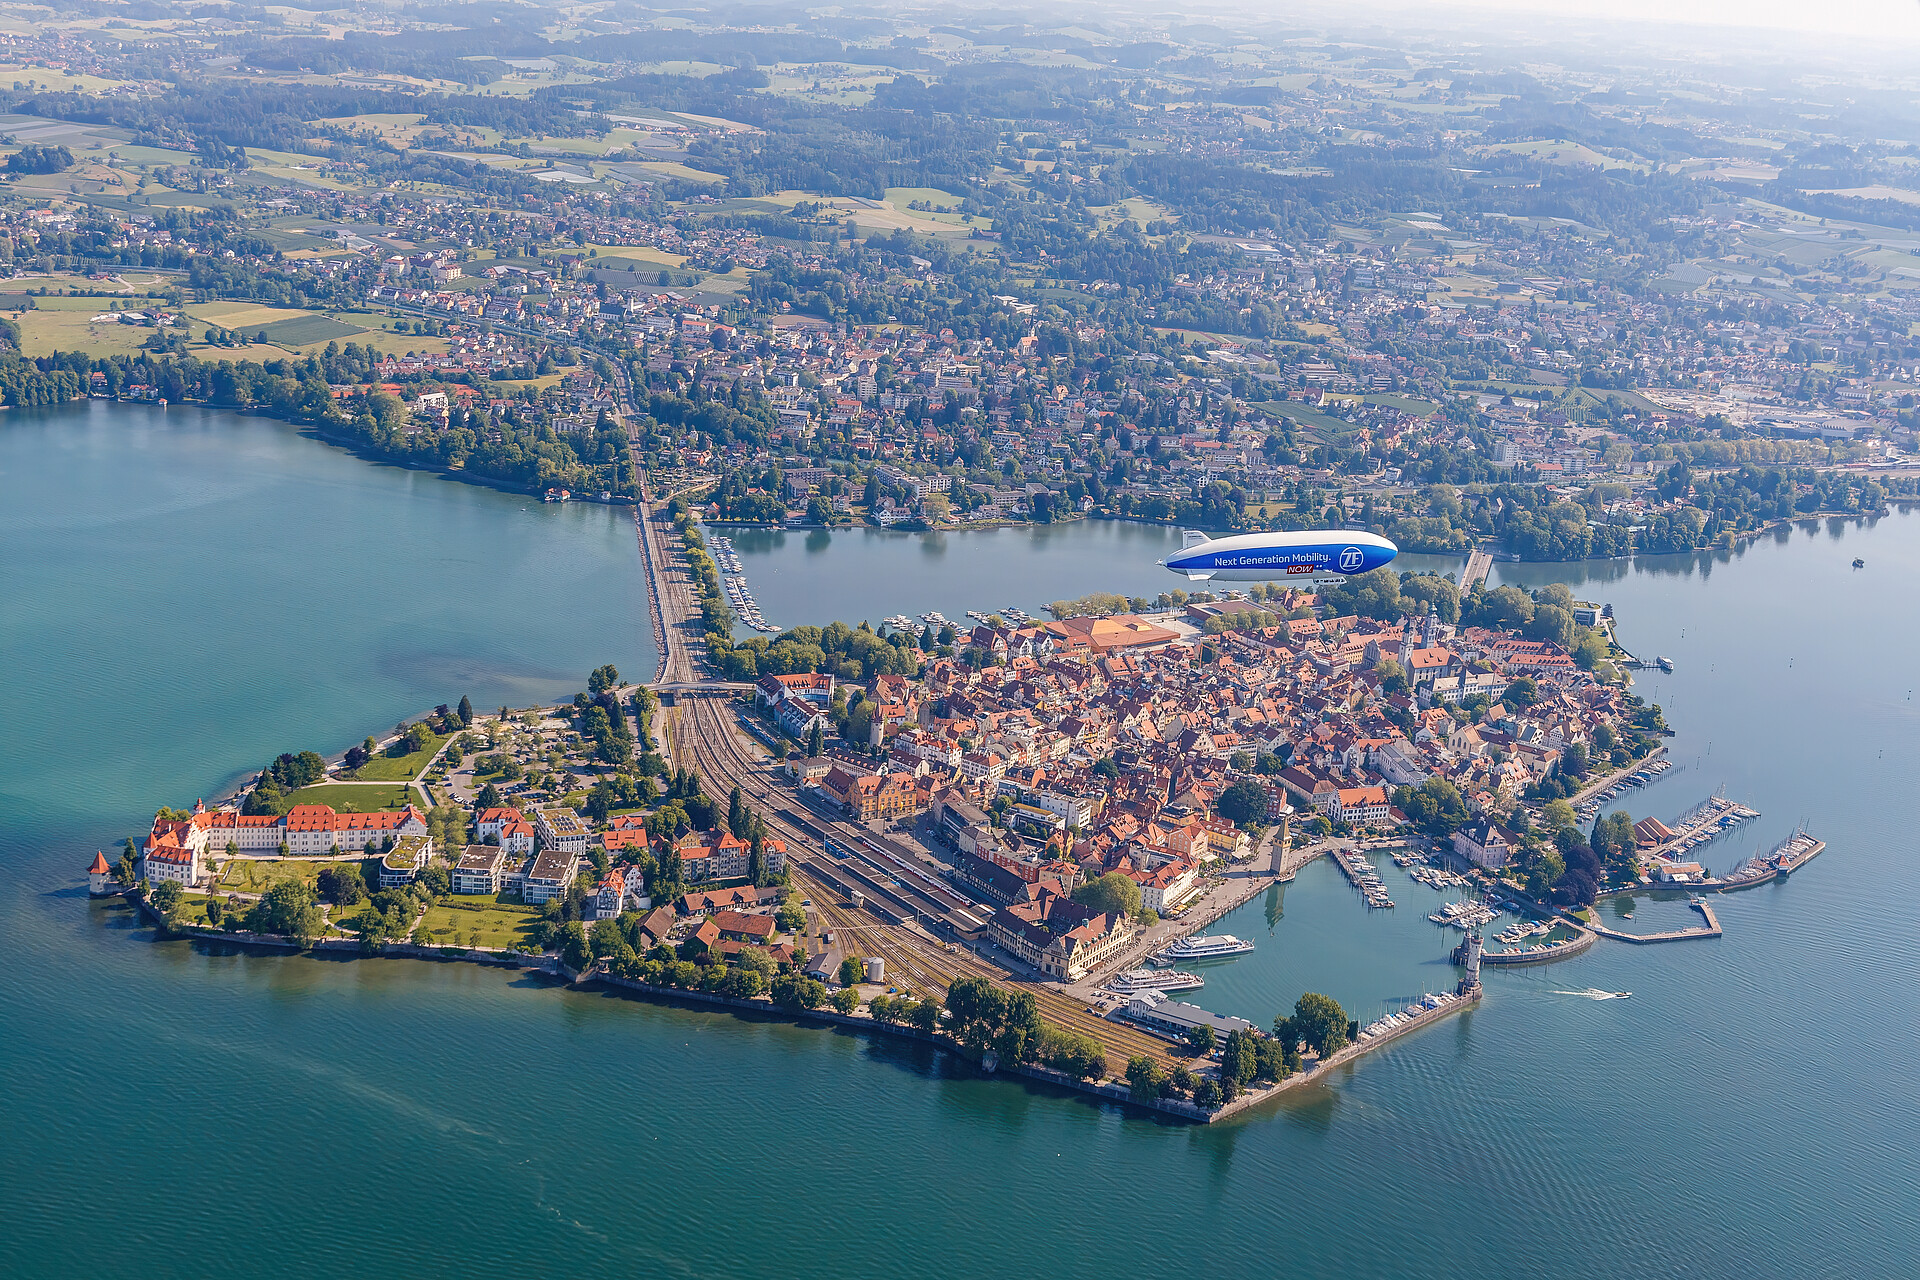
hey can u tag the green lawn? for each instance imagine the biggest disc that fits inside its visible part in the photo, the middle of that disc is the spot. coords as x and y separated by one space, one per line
305 329
349 798
193 911
248 875
386 768
499 924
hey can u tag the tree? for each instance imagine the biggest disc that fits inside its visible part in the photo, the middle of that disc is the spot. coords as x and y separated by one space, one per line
1435 806
289 908
850 972
1239 1058
465 712
603 678
737 819
816 739
846 1000
1200 1039
1557 815
1320 1021
34 158
1244 802
489 798
343 885
165 898
1143 1079
1113 893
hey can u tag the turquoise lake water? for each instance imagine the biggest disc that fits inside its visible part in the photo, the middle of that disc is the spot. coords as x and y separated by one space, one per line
189 593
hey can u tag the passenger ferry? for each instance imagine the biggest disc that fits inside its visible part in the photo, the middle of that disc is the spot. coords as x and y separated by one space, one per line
1217 947
1155 980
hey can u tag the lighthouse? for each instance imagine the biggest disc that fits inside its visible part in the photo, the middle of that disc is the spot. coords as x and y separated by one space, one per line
100 877
1280 840
1467 954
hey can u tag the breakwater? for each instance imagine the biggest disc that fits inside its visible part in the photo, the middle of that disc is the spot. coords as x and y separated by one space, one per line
1710 930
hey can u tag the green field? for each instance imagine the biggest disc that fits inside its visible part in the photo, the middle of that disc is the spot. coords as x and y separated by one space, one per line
301 330
250 875
385 768
480 922
350 798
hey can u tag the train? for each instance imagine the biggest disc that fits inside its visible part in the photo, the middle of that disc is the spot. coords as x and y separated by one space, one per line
1308 555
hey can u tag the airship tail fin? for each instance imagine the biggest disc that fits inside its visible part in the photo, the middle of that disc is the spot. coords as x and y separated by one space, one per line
1192 538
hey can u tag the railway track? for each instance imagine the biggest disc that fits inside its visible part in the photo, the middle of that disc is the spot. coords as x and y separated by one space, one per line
702 735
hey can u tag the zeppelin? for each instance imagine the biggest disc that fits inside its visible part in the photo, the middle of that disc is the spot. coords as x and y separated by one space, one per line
1269 557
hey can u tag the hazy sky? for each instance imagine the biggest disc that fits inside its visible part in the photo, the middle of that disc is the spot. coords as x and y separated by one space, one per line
1896 20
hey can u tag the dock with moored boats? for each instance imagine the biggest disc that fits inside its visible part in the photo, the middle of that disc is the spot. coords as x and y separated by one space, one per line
1361 874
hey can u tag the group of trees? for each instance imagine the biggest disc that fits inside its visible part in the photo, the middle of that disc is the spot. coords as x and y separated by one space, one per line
1115 895
517 447
855 654
288 773
983 1017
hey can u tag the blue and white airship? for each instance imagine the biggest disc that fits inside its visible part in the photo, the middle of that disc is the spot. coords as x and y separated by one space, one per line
1311 554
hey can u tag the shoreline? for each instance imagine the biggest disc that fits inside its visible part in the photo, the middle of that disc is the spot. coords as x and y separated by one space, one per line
551 966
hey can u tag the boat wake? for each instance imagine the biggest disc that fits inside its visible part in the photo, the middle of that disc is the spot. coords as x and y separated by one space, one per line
1594 993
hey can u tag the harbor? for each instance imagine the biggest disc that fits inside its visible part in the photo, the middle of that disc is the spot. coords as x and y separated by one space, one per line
1709 930
733 580
1363 876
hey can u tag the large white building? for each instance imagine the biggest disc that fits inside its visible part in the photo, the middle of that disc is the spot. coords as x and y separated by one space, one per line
303 829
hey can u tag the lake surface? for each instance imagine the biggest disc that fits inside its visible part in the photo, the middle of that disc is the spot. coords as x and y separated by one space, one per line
170 1112
863 574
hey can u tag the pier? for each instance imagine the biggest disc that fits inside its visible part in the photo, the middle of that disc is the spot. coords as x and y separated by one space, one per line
1706 821
1582 940
1710 930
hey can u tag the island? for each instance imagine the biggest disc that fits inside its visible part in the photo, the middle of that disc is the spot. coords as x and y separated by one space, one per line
995 839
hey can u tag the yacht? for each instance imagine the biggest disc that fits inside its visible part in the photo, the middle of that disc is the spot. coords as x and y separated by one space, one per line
1216 947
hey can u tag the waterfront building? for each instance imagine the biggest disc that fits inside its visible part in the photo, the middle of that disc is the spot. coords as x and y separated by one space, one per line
479 869
508 828
1361 806
1058 936
404 862
1485 843
1101 635
99 876
165 859
609 897
549 875
304 829
1167 885
561 829
1176 1018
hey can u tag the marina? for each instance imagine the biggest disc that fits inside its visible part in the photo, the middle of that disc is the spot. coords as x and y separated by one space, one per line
1590 807
733 579
1364 877
1468 914
1783 859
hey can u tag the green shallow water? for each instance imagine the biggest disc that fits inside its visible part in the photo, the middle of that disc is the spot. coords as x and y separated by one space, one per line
173 1112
